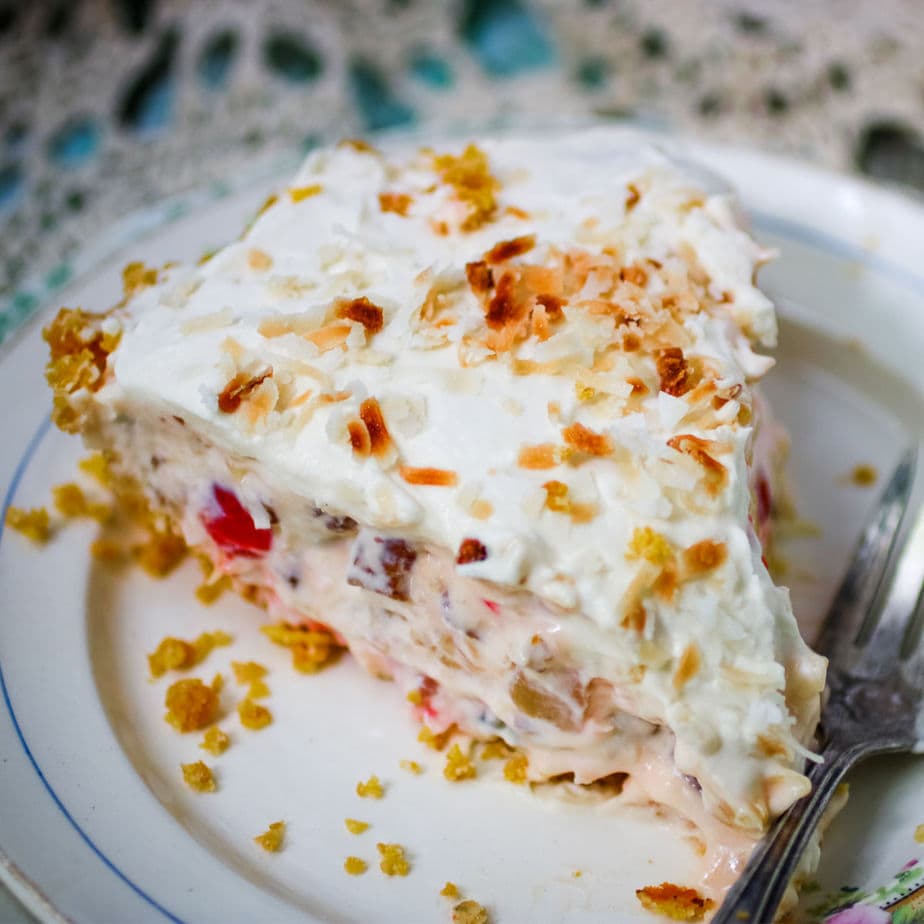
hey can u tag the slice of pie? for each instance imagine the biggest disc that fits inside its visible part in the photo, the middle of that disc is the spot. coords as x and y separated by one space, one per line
488 413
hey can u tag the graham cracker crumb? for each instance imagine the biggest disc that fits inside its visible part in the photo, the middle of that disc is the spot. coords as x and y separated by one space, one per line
458 765
394 862
199 777
253 715
33 524
371 789
271 839
355 866
675 902
215 741
191 705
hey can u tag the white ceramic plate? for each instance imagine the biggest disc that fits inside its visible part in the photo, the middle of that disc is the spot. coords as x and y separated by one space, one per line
94 818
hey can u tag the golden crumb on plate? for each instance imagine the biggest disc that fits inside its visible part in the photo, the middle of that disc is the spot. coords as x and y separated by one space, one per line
174 654
209 591
215 741
354 826
469 912
919 834
394 862
355 866
864 476
247 671
450 890
253 715
411 766
71 502
458 765
432 739
675 902
312 648
371 789
496 749
271 839
199 776
191 705
33 524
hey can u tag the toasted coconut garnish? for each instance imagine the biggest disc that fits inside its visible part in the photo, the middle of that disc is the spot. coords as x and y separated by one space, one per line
399 203
259 260
503 251
553 305
504 309
687 666
357 144
79 348
703 557
581 438
300 193
631 342
673 371
359 438
435 477
699 449
543 456
480 278
639 388
137 276
329 337
558 499
240 388
471 550
363 312
635 274
634 616
470 176
633 197
379 438
675 902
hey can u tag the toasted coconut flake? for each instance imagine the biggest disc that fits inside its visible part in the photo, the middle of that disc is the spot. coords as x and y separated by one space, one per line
363 312
480 277
301 193
239 389
631 342
553 305
542 456
633 197
703 557
675 902
329 337
650 545
699 449
399 203
673 371
507 250
470 176
379 438
635 274
436 477
635 617
359 438
687 666
639 388
558 499
357 144
581 438
471 550
504 309
259 260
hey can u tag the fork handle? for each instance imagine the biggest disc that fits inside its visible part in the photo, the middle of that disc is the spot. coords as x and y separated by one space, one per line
757 894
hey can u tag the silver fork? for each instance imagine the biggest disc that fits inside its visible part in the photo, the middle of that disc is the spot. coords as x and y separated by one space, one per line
875 690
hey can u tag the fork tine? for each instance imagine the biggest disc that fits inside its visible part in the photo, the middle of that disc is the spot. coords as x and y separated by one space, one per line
896 623
845 619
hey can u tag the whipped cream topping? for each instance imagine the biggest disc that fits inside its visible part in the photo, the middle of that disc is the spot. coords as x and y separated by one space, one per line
564 329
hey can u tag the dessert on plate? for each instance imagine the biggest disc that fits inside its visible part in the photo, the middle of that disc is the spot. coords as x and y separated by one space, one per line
488 413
